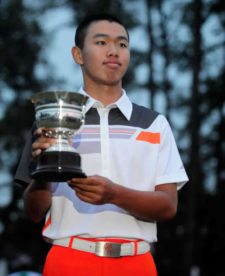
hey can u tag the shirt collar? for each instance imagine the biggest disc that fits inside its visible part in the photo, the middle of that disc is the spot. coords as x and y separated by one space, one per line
123 103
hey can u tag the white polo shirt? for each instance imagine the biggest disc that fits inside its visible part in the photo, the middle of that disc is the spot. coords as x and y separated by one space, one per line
131 145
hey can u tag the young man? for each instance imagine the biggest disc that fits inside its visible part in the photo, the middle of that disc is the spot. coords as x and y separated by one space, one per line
104 224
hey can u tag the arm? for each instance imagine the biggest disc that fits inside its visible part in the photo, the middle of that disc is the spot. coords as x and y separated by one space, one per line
160 204
37 200
37 196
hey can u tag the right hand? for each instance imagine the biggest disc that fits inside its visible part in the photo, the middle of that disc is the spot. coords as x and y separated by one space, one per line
41 143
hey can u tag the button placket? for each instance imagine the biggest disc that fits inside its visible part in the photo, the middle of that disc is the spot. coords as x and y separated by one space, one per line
104 131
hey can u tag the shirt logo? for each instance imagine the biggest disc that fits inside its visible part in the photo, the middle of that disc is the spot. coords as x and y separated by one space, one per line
150 137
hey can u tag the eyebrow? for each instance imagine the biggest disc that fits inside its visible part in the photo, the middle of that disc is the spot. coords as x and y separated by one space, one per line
121 37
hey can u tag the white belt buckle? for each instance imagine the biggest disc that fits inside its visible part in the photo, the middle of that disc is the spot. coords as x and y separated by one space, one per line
108 249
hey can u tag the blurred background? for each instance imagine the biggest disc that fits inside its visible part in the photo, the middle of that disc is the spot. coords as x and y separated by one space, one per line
177 68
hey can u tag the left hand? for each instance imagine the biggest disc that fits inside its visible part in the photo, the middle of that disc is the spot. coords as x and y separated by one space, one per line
94 189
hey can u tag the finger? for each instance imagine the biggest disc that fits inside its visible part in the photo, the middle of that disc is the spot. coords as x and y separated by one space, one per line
70 141
38 131
84 180
36 153
83 198
87 197
77 181
84 188
40 145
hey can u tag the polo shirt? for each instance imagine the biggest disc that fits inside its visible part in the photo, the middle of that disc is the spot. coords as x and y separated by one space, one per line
131 145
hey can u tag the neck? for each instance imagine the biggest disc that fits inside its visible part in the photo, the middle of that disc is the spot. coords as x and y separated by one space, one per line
106 94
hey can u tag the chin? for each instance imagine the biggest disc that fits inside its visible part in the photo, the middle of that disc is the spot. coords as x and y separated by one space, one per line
111 82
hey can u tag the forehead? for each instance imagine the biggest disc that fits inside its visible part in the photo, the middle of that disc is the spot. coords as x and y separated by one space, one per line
106 27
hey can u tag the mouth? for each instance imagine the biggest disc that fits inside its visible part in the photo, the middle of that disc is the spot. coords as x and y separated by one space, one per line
112 64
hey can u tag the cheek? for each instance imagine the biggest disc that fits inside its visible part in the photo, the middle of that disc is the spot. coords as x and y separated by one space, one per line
126 62
126 57
90 53
92 61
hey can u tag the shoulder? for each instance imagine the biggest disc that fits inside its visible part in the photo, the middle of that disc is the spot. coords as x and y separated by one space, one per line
142 116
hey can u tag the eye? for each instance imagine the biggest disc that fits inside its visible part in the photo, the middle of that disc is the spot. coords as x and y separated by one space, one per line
123 45
100 42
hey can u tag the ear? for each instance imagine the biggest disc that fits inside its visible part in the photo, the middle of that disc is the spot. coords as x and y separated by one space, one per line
77 55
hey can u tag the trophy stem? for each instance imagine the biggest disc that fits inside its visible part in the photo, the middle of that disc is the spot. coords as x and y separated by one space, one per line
58 166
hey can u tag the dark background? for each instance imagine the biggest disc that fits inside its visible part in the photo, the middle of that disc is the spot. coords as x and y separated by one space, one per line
183 66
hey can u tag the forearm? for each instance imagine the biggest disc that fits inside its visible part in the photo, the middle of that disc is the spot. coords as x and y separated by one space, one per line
160 204
157 205
37 200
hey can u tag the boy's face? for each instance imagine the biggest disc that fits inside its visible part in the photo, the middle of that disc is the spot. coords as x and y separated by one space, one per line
105 55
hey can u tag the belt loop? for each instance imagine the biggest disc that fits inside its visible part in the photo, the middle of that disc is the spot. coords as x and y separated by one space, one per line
71 242
135 247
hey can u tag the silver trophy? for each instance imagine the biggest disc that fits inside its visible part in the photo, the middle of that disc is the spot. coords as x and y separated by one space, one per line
60 114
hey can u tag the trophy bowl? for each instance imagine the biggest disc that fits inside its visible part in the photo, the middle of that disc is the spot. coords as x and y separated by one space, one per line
60 114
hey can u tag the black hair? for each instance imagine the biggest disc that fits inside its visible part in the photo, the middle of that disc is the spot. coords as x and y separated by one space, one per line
87 21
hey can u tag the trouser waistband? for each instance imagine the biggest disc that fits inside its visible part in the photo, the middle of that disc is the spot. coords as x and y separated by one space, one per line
105 248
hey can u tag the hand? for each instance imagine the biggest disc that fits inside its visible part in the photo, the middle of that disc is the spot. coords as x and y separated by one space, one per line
41 143
94 189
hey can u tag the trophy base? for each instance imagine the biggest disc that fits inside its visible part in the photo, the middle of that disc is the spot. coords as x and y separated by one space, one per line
58 166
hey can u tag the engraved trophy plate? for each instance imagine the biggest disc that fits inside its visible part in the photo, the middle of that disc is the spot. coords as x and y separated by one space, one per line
60 114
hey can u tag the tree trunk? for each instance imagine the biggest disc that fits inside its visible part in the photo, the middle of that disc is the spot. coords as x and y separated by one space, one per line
191 248
151 83
165 86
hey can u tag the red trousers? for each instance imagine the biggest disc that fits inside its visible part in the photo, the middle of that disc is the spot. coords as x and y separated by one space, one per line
63 261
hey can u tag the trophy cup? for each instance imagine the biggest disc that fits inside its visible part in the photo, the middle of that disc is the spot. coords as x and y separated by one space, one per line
60 114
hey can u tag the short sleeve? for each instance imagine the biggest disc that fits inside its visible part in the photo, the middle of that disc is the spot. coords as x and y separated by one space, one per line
170 168
25 166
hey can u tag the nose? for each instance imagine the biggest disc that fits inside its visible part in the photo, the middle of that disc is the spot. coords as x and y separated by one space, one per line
112 50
